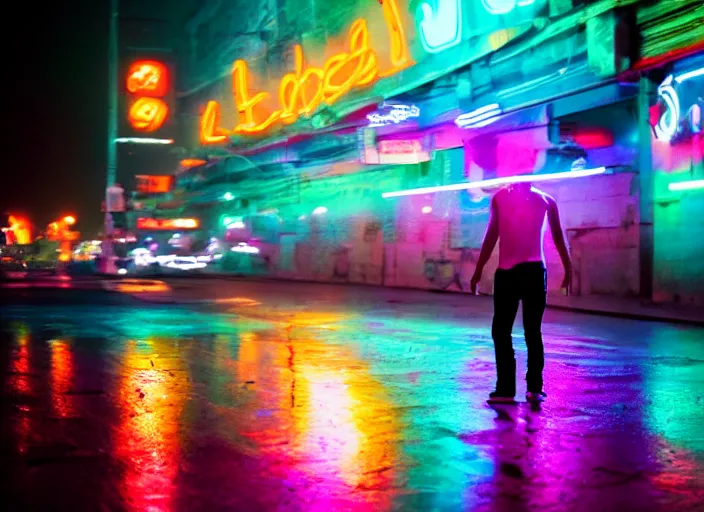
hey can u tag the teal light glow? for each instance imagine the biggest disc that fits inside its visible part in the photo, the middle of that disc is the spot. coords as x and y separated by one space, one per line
504 6
440 24
496 182
229 196
226 221
686 185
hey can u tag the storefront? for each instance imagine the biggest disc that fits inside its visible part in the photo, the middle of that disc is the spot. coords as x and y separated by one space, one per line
374 163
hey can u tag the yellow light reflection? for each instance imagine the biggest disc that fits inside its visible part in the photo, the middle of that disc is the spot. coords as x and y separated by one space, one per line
333 427
346 419
151 396
61 378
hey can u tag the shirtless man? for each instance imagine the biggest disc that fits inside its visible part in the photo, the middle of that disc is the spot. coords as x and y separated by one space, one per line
518 217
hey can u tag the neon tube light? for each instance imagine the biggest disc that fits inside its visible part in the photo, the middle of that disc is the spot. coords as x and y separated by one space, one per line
396 114
686 185
302 91
495 182
482 116
667 125
690 74
143 140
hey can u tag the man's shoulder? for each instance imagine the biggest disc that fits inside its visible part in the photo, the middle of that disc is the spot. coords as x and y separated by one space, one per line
544 195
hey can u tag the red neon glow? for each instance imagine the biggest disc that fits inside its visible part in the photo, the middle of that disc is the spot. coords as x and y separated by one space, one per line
148 78
302 91
147 114
166 224
589 137
19 229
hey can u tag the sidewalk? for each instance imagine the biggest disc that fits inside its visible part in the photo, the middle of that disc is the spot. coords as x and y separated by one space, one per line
633 308
637 309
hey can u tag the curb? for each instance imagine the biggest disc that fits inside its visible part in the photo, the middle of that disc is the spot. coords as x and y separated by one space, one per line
631 316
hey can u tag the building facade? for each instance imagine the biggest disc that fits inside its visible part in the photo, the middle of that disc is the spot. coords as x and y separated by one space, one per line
361 141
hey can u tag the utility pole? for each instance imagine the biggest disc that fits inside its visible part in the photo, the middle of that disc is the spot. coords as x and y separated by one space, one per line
111 174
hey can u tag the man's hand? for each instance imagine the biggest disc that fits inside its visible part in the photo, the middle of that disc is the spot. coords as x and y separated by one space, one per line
567 281
476 277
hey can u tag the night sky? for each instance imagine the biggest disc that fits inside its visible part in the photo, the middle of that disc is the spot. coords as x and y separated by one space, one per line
58 113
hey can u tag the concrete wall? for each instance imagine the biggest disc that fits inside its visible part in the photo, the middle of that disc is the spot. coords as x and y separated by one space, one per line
363 238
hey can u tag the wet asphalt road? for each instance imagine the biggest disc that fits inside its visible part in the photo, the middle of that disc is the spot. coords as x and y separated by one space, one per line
221 395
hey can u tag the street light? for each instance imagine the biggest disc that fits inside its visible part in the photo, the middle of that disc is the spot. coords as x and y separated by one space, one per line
69 220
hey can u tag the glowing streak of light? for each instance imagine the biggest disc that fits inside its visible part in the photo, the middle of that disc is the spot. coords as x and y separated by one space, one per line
686 185
496 182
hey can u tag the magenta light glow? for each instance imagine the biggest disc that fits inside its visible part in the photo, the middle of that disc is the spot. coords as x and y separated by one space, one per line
496 182
426 209
686 185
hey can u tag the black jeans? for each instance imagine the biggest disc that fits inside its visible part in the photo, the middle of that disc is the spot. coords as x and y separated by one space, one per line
527 283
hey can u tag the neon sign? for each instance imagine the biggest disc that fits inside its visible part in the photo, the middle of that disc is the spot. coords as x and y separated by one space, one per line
668 125
166 224
147 78
392 114
482 116
440 25
189 163
147 114
395 152
302 91
147 184
399 147
504 6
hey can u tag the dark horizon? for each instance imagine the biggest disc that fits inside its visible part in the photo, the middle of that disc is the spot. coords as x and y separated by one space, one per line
59 118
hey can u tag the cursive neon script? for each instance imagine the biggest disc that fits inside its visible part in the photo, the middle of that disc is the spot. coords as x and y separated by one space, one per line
302 91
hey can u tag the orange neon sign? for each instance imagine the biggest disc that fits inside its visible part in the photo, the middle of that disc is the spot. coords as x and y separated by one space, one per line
148 78
302 91
148 184
189 163
147 114
166 224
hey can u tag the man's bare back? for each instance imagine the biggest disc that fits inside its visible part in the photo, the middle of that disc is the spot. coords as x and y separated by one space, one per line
519 216
522 218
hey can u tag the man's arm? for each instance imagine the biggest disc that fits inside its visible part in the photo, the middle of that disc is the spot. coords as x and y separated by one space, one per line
490 239
559 239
